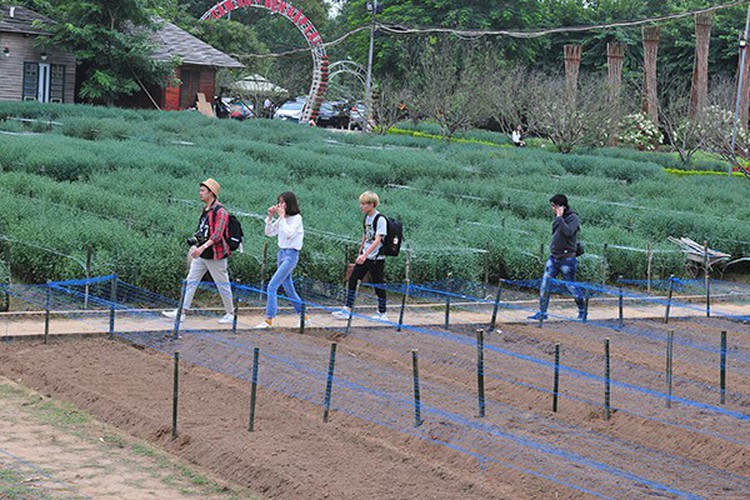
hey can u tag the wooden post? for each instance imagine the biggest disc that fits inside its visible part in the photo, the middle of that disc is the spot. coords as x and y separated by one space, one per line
650 98
699 90
572 63
615 59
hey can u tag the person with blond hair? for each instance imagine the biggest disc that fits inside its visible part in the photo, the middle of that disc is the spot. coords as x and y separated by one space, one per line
369 260
209 251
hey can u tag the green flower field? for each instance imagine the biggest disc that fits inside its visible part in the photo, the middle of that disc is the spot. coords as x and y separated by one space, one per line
124 184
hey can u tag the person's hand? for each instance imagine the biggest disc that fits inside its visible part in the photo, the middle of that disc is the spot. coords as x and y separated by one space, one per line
559 211
198 251
361 259
271 211
280 210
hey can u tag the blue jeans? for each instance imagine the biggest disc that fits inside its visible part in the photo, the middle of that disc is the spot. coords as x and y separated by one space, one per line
286 261
566 267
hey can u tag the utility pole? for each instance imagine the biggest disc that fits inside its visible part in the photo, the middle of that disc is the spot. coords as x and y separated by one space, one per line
740 80
373 8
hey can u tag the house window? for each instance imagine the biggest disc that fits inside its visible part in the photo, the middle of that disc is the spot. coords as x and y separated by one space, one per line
43 82
30 81
189 88
57 83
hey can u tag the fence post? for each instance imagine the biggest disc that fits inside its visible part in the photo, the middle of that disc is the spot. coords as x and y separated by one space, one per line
448 302
493 320
417 398
480 371
605 263
606 380
670 346
669 298
556 389
723 368
620 301
235 306
175 392
707 279
263 269
178 316
253 390
351 309
403 306
112 302
47 306
6 257
89 251
329 382
649 261
486 261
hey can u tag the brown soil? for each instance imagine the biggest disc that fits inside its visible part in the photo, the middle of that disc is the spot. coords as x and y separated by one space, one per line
370 448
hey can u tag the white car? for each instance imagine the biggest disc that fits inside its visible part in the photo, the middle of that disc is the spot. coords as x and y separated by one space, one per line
290 110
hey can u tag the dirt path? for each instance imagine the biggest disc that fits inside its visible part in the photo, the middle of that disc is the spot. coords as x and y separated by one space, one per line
50 449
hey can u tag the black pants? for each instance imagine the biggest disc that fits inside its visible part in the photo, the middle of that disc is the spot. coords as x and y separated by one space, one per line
376 268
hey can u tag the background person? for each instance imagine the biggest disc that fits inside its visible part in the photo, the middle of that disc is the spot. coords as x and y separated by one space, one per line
517 136
210 251
562 259
288 226
369 260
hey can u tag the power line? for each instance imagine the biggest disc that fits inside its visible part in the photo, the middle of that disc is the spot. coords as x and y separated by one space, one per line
403 30
468 34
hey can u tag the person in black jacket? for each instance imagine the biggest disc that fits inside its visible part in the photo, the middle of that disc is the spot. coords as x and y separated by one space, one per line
563 253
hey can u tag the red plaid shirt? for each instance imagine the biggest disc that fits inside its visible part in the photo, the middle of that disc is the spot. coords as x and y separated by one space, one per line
218 232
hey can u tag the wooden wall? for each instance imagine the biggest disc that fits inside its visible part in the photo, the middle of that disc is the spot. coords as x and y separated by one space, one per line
22 49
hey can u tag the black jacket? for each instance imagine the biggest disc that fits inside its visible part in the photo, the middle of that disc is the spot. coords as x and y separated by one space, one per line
564 235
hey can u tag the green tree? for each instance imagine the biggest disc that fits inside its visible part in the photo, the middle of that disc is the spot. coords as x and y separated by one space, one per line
112 43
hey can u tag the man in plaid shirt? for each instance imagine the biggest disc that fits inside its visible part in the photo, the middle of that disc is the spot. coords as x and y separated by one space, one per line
213 252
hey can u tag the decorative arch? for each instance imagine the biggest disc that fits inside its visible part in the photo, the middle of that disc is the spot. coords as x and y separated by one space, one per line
309 31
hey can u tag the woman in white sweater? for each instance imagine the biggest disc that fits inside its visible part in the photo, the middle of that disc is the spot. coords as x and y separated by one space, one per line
287 224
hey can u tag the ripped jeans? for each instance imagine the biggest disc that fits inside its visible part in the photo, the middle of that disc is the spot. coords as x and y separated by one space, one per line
567 268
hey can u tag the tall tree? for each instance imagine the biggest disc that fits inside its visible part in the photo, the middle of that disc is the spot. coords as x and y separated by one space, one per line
112 43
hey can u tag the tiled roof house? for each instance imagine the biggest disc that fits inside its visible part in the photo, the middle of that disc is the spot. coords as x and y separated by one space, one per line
28 72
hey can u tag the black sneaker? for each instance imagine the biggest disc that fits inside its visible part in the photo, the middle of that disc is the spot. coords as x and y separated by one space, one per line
581 316
538 316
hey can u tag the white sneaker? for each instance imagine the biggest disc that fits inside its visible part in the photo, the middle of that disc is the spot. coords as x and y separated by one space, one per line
227 319
341 314
380 316
262 326
172 314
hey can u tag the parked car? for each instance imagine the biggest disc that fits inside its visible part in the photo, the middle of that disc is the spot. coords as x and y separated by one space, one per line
333 114
290 110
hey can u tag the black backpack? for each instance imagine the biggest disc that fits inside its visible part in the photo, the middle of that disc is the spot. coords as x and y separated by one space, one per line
234 240
235 233
394 235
